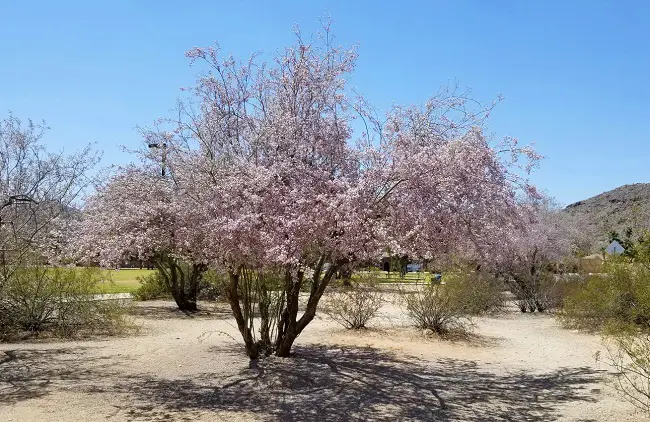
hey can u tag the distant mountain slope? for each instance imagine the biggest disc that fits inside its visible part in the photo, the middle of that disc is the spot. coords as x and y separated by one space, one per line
617 209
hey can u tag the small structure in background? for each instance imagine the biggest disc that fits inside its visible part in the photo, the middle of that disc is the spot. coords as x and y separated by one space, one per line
413 267
614 248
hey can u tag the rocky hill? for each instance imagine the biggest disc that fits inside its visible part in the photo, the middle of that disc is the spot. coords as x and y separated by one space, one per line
617 209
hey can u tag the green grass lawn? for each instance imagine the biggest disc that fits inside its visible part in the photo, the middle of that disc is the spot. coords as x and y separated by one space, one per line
123 280
393 277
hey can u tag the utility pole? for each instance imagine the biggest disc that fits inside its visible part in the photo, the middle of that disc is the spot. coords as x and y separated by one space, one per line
162 146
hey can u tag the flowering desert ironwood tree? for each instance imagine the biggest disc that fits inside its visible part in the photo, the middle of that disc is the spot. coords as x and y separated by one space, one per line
140 214
529 257
281 193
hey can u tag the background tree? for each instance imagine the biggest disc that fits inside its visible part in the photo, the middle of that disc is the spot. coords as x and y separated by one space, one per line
530 258
39 194
139 214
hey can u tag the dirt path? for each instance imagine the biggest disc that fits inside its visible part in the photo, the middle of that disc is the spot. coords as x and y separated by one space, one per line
517 368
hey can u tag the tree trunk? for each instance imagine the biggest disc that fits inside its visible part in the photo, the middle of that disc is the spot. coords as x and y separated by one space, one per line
295 327
252 349
194 279
184 294
284 348
184 303
287 327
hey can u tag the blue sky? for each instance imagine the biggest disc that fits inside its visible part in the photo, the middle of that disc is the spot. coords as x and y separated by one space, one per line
575 74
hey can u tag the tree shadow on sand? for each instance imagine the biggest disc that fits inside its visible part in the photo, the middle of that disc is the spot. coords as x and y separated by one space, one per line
168 310
324 383
28 374
342 384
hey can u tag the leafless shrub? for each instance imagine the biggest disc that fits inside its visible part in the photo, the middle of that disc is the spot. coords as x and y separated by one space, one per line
437 308
355 305
629 355
539 292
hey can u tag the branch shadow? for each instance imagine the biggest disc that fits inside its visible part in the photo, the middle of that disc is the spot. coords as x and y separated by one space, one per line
325 383
168 310
29 374
350 384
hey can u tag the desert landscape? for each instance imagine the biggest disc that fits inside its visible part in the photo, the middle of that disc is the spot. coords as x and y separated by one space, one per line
324 211
514 367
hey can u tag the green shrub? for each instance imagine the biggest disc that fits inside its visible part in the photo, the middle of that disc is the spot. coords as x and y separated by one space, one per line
212 286
61 301
353 306
618 302
477 292
617 298
152 286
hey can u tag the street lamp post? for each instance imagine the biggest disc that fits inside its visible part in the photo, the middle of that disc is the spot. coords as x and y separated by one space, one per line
162 146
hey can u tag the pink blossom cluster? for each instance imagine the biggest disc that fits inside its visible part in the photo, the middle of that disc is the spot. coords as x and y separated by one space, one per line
265 170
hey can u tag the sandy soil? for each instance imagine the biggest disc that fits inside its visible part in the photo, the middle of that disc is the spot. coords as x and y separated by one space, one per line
181 368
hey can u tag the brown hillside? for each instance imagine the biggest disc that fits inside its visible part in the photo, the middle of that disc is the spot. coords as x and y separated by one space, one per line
617 209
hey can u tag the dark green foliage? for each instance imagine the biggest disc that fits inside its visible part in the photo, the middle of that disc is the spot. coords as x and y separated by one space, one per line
152 287
626 241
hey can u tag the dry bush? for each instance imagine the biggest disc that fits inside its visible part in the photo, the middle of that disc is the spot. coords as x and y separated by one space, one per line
57 301
448 307
541 291
629 355
354 305
438 308
557 290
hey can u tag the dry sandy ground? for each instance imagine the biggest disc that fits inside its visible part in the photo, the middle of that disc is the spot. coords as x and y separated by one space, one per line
180 368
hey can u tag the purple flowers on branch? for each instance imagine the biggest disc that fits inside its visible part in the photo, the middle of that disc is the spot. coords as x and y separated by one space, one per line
267 174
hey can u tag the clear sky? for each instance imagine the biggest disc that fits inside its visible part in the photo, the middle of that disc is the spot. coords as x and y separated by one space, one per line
575 74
